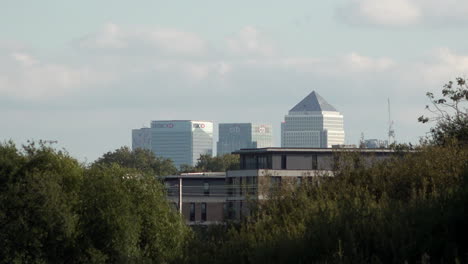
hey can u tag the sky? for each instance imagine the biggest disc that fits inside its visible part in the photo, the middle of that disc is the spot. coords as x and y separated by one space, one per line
85 73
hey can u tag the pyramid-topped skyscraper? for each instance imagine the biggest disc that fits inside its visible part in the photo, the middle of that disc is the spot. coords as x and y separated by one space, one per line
312 123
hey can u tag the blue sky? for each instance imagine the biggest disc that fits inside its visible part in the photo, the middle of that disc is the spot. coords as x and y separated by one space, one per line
86 72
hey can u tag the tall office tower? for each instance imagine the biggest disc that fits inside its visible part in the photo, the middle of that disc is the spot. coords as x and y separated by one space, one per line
141 138
312 123
236 136
182 141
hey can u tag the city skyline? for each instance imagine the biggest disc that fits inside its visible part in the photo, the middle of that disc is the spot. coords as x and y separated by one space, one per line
86 73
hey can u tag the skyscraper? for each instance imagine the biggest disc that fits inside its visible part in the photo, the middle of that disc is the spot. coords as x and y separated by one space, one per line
141 138
182 141
312 123
236 136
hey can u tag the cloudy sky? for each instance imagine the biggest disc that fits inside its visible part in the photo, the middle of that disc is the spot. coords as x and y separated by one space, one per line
86 72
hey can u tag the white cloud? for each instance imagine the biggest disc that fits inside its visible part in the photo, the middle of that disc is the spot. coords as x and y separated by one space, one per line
445 65
24 59
26 78
404 12
249 41
159 40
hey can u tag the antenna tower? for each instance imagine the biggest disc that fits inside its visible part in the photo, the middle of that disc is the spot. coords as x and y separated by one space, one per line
391 130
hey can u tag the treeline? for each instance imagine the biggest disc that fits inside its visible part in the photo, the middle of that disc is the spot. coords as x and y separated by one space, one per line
410 209
144 160
55 210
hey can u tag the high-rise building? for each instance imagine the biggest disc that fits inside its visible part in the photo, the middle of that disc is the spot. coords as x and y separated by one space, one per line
236 136
182 141
312 123
141 138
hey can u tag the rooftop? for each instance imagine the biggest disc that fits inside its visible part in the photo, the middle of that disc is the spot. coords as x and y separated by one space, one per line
313 103
316 150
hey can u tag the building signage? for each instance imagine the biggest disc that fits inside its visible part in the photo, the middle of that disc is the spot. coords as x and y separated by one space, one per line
234 130
169 125
196 125
263 130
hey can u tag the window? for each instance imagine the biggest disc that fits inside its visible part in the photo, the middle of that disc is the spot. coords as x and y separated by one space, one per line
314 162
203 212
206 189
240 210
283 162
230 187
231 211
192 212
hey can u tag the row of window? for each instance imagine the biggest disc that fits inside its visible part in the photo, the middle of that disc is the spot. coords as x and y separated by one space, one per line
192 212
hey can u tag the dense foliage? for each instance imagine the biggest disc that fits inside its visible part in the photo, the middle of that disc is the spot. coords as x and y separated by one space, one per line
55 210
141 159
208 163
411 209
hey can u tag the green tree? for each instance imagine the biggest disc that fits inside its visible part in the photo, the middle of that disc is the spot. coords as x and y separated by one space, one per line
449 113
127 218
54 210
38 202
208 163
141 159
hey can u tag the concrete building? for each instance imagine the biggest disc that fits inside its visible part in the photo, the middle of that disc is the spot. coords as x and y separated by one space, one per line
182 141
236 136
261 169
203 196
312 123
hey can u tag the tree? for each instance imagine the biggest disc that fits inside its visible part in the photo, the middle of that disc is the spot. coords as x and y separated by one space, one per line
38 202
140 159
126 218
208 163
55 210
449 113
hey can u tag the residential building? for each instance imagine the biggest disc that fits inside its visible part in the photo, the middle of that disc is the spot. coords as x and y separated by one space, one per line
203 196
236 136
261 169
312 123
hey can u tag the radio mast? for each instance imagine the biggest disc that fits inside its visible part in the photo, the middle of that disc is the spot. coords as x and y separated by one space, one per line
391 130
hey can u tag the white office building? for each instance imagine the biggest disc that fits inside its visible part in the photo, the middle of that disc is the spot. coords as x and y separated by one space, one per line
312 123
236 136
182 141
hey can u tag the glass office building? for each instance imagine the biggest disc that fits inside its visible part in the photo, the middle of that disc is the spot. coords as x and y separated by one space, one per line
141 138
236 136
312 123
182 141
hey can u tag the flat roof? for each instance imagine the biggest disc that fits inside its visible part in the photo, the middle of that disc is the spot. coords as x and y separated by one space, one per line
198 175
317 150
181 121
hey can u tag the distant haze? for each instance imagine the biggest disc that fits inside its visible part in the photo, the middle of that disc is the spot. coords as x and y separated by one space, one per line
85 73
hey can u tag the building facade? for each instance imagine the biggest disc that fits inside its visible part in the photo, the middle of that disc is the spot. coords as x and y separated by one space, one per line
141 138
263 169
236 136
203 196
182 141
312 123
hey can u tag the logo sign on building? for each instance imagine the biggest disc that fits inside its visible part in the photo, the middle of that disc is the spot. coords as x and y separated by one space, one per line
198 125
234 130
168 125
262 129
